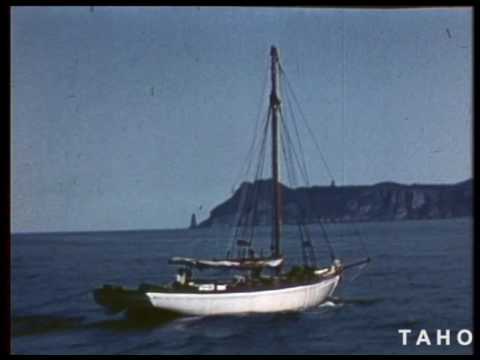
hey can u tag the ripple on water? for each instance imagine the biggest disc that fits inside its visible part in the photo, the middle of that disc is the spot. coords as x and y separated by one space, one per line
44 323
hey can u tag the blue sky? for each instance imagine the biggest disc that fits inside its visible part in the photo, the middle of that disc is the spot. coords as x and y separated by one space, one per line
128 118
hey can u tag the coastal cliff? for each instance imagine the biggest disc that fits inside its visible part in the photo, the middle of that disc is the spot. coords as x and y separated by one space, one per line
385 201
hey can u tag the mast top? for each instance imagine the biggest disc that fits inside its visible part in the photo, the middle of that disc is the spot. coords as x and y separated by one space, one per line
274 53
274 99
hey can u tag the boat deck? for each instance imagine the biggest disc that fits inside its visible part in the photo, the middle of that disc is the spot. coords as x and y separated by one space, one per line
217 285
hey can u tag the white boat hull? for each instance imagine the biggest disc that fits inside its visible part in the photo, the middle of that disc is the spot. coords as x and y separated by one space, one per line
265 301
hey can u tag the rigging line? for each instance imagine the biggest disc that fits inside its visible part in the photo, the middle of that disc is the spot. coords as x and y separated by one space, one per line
289 163
257 123
249 215
250 157
325 237
290 172
292 156
265 98
294 177
331 251
291 177
247 166
290 88
257 190
285 126
245 169
343 97
290 169
236 222
288 143
304 228
302 154
311 247
248 162
362 267
303 165
292 148
242 203
261 158
310 256
259 170
310 131
359 271
304 253
329 246
305 234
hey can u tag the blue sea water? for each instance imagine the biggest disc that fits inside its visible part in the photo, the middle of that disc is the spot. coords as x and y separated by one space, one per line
420 277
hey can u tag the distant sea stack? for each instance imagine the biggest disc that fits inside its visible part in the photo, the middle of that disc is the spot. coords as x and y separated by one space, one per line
385 201
193 222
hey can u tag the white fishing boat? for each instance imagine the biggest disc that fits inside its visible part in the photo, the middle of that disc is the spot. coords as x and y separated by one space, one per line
255 284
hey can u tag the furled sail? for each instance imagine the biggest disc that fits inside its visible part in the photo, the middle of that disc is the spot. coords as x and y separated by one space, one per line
241 264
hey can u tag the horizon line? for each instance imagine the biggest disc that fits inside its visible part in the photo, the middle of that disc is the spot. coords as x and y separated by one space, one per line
187 226
373 184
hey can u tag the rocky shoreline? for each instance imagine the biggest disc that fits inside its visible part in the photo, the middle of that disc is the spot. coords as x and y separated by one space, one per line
385 201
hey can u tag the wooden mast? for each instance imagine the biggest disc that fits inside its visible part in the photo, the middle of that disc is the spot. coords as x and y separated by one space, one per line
275 107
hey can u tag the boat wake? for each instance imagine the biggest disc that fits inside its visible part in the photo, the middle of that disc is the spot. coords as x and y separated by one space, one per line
37 324
363 301
44 323
326 307
124 325
330 304
337 302
184 323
